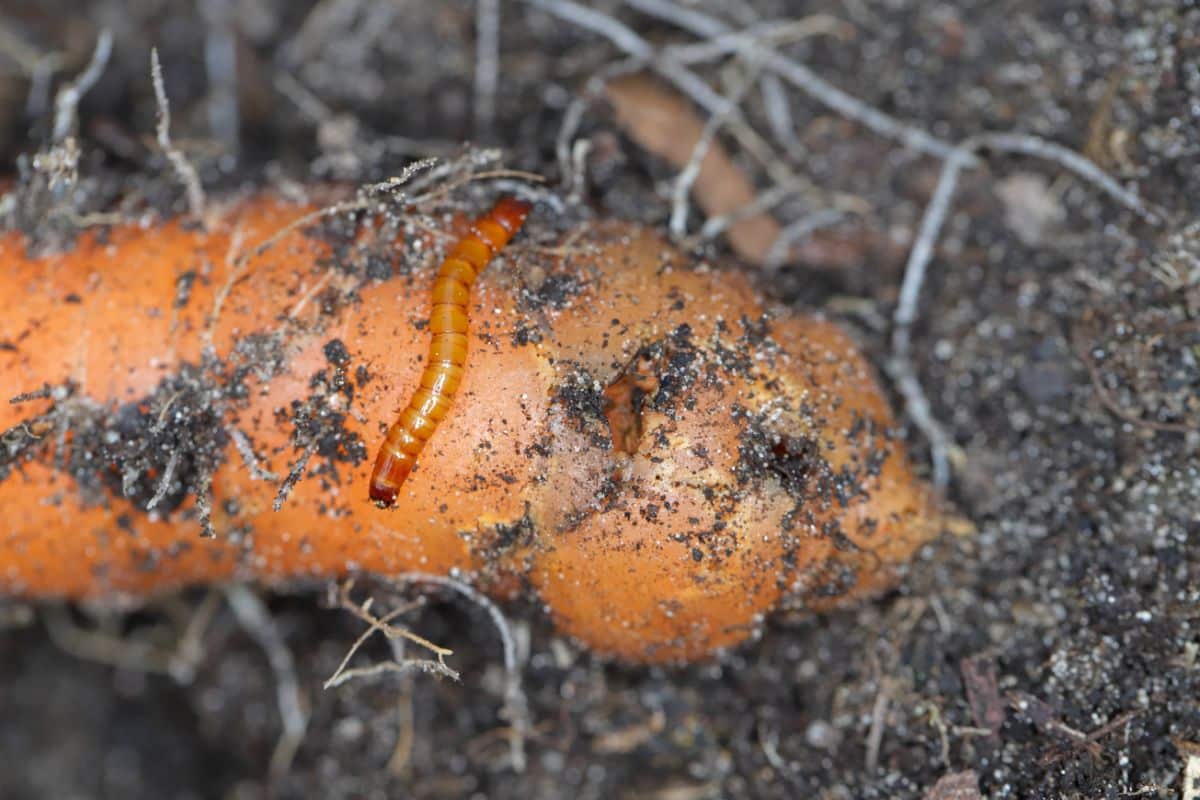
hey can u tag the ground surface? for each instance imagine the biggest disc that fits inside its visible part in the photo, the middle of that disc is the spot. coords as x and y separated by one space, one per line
1058 338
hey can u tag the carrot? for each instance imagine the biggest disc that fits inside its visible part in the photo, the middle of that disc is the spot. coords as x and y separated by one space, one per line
634 438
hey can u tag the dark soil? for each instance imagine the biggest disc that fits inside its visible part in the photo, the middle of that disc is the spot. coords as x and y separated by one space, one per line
1053 651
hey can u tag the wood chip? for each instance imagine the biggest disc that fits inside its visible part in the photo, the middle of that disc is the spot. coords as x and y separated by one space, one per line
987 707
955 786
667 125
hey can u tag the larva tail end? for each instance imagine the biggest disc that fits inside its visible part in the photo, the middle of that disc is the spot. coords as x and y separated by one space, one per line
392 468
510 213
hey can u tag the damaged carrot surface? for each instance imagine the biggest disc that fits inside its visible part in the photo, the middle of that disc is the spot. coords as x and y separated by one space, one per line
635 440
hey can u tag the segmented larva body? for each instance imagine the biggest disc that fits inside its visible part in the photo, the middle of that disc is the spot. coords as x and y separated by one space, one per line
447 351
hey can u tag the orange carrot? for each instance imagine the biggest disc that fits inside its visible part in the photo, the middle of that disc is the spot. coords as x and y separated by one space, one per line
634 438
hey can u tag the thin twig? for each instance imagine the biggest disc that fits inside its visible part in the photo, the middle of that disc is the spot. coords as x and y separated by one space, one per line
160 421
304 98
376 625
536 193
90 645
487 64
472 161
308 295
797 231
401 756
204 503
293 476
803 79
761 35
779 115
935 212
366 196
776 105
594 87
901 366
405 667
177 659
220 64
190 651
67 100
37 394
344 207
393 633
256 620
392 185
768 739
691 170
363 612
1083 167
491 174
878 723
40 80
249 457
515 706
16 48
164 484
665 65
608 27
183 168
38 66
763 203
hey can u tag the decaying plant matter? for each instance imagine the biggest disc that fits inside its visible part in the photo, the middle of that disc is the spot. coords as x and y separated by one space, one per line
636 438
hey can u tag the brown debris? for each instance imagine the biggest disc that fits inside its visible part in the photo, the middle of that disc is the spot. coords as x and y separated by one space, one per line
987 707
955 786
664 123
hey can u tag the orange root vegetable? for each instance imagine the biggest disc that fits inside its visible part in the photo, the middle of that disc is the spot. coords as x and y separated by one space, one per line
634 438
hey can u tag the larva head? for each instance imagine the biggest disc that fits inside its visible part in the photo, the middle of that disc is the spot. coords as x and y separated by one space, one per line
510 214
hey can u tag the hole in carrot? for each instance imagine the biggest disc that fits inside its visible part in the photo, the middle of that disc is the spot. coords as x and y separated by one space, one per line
625 400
